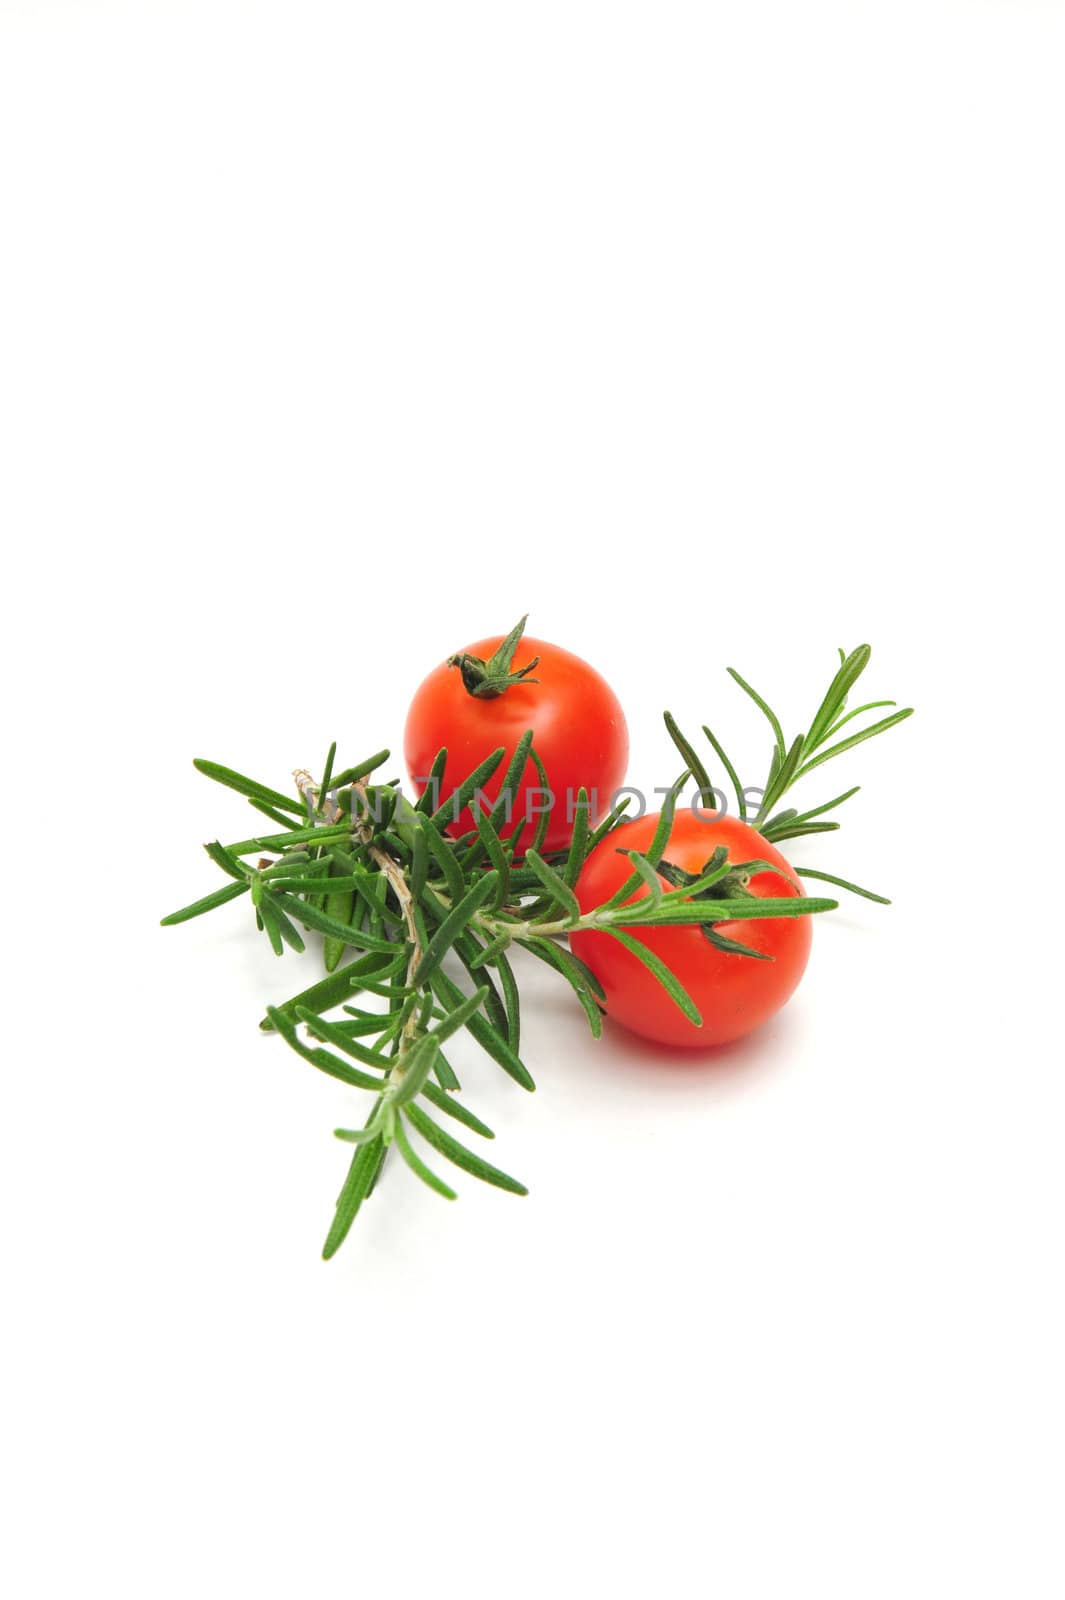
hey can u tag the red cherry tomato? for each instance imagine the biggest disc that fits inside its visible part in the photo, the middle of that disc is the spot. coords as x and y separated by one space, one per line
734 993
579 733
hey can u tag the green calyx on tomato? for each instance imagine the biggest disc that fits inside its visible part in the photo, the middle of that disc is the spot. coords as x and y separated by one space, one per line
487 680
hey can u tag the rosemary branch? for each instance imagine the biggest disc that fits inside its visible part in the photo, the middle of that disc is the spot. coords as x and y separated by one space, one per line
412 898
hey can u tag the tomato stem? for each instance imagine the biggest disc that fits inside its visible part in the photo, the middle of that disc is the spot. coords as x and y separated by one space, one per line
487 680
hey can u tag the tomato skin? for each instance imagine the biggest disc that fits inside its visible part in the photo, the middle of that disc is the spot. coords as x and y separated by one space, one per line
733 993
579 732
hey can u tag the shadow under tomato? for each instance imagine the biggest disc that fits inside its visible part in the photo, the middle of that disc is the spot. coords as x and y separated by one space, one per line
758 1052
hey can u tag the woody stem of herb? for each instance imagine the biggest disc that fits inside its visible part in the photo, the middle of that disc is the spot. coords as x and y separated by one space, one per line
522 932
394 874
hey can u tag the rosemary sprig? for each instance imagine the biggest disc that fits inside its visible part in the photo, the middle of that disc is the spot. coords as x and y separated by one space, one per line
425 923
791 762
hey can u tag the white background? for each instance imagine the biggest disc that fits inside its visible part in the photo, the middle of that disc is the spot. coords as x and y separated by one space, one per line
334 336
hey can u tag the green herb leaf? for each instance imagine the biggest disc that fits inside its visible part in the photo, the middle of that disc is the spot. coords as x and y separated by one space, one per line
870 705
582 980
491 1041
579 843
327 770
455 1108
248 786
338 986
445 1074
543 817
227 861
418 1166
842 883
511 999
443 853
648 873
851 669
311 917
457 1153
268 920
688 755
502 811
453 924
275 816
350 775
209 903
493 848
615 815
452 808
782 778
419 863
468 948
798 830
855 738
288 933
333 1033
657 967
372 1130
733 947
416 1067
672 914
770 715
324 1060
362 1175
318 833
656 849
741 801
434 783
555 886
495 947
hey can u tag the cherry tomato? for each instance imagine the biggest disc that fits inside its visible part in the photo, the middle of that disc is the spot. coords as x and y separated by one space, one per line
733 993
579 730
